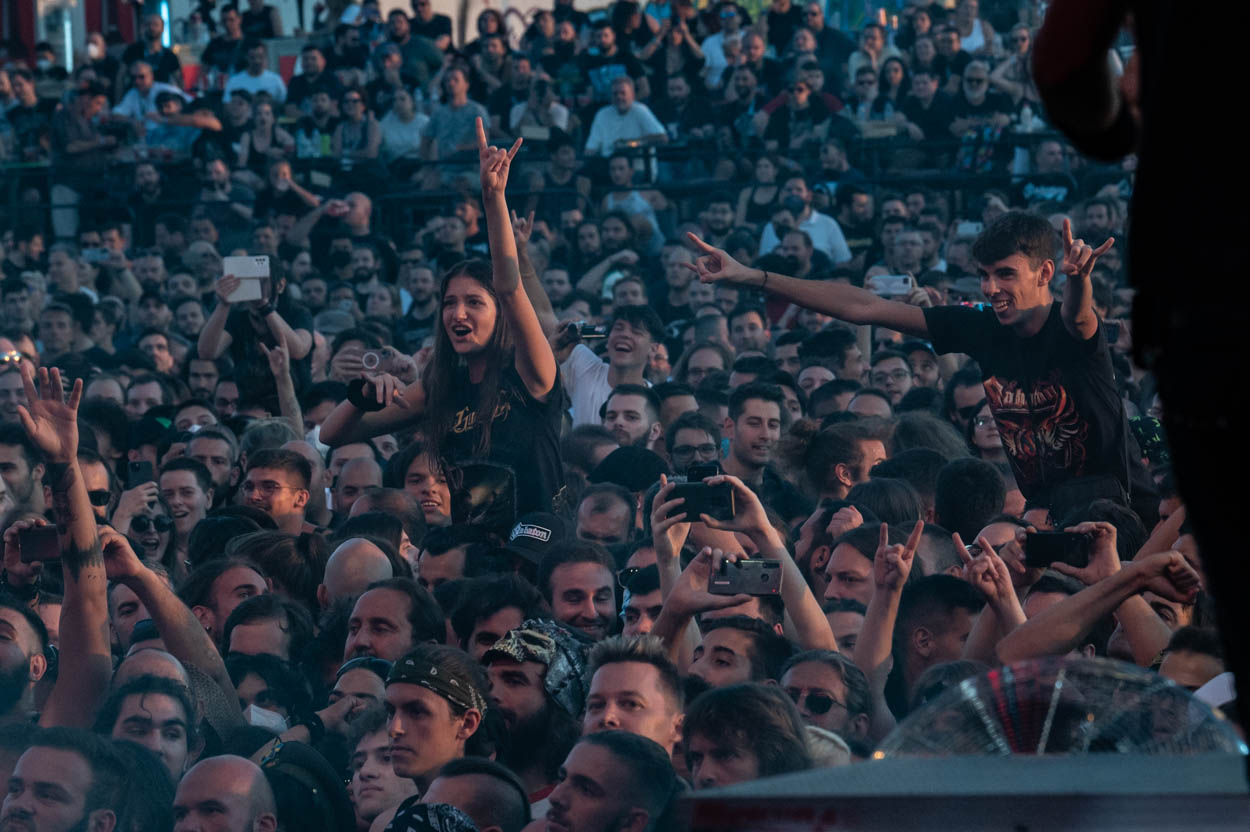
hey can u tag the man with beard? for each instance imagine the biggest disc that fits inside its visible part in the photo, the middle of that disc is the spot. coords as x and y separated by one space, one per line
69 780
578 579
826 234
22 659
717 219
753 428
537 681
632 337
632 413
22 469
613 781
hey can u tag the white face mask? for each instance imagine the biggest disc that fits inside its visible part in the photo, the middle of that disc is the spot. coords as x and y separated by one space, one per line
94 51
43 64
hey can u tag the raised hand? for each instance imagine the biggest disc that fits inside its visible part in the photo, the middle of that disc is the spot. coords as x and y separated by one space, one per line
19 572
493 162
892 563
50 421
668 531
844 520
386 388
279 359
1104 558
690 595
714 264
120 561
522 228
1169 575
225 286
986 571
749 515
1078 258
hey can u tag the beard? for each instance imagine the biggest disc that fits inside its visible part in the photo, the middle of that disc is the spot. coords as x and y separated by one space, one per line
13 684
544 740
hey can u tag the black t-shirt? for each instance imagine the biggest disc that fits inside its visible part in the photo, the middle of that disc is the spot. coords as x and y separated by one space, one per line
935 121
782 496
302 87
166 67
954 65
601 70
438 25
782 26
224 54
1046 187
251 368
524 435
993 104
1053 396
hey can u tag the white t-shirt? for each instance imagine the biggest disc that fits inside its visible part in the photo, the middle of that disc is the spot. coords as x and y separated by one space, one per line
610 126
826 236
136 105
585 378
268 81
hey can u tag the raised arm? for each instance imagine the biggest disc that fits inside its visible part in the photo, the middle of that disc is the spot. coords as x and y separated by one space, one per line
846 303
280 365
535 362
86 664
214 339
1079 316
522 229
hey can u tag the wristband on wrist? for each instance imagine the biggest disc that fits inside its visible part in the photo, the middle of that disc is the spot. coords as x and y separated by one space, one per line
356 395
316 728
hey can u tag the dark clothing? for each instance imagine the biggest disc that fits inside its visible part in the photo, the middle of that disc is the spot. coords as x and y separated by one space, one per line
1053 396
68 127
259 24
954 65
251 368
782 497
563 12
833 48
422 59
993 104
225 55
697 112
782 26
601 70
165 65
524 435
438 25
1046 187
302 88
786 125
31 128
935 120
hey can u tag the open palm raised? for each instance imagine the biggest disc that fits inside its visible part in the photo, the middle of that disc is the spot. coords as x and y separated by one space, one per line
50 420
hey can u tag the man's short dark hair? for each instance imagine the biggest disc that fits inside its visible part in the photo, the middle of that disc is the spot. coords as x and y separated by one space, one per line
768 650
758 719
167 393
16 436
146 684
917 466
293 618
643 650
1197 640
756 390
930 598
280 459
743 309
858 692
969 492
649 769
653 401
108 770
893 501
424 615
485 596
1016 232
509 816
694 420
196 590
198 469
571 551
640 316
577 449
828 348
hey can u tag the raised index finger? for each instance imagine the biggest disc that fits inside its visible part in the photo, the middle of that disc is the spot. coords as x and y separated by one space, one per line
704 247
913 539
481 137
1105 247
1067 234
515 147
884 537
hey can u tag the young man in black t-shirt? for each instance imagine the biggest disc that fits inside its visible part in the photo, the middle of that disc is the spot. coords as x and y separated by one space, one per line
1046 365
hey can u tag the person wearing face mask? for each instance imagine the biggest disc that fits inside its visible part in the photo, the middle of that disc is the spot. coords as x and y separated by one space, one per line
826 234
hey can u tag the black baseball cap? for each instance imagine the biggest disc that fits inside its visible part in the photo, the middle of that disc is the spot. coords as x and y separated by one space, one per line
535 533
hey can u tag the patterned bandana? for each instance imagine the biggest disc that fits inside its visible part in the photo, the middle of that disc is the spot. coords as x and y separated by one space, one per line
562 652
460 692
414 816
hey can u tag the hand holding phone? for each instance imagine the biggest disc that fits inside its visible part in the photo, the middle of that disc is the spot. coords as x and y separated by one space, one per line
746 577
39 544
1041 549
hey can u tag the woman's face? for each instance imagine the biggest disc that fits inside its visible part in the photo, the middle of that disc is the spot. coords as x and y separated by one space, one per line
984 431
146 528
404 107
254 690
620 171
263 115
469 315
301 266
1018 41
380 304
894 73
487 23
925 50
765 171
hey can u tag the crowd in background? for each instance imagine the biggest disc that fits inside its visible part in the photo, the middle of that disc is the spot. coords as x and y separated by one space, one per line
398 541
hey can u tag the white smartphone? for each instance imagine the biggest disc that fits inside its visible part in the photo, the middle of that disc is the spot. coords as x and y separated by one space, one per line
249 270
892 285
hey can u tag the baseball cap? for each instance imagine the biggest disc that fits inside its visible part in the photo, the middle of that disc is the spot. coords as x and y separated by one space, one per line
634 468
535 533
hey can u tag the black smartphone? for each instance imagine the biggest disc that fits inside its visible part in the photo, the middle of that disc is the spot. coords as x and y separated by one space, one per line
716 501
746 577
1041 549
139 472
699 471
39 543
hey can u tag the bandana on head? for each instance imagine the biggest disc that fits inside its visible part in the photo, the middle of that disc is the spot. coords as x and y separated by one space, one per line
558 649
459 692
413 816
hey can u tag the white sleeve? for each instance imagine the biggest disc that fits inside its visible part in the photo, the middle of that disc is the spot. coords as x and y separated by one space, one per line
650 124
594 142
580 360
768 240
840 252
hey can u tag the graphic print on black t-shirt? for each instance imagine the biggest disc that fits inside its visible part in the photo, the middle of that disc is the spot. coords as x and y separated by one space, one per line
1040 427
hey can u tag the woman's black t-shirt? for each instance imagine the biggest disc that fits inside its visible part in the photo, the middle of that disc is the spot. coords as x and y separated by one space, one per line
251 368
525 436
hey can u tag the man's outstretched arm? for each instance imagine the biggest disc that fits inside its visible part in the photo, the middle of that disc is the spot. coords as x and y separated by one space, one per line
846 303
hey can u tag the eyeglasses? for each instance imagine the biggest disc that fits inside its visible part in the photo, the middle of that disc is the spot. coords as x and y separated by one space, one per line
142 525
707 451
1020 39
897 375
966 413
100 497
10 357
982 421
266 488
817 703
626 575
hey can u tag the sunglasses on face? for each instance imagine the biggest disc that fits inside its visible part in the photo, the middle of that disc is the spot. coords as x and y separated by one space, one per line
817 703
10 357
966 413
626 575
142 525
100 497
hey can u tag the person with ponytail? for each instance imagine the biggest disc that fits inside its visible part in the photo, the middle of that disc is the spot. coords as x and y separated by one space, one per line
491 391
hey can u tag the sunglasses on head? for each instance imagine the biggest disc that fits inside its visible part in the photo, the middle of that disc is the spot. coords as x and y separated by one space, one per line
142 525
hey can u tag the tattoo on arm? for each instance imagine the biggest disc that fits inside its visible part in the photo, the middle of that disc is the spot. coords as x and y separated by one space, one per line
75 554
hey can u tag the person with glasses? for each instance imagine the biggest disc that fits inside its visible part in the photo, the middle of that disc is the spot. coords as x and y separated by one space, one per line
277 483
1014 76
731 18
257 77
830 693
978 107
983 437
891 373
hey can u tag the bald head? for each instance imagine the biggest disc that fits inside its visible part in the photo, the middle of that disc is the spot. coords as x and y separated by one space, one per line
151 662
354 565
230 791
355 476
